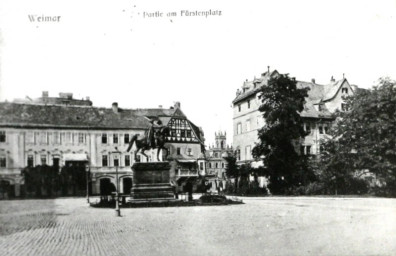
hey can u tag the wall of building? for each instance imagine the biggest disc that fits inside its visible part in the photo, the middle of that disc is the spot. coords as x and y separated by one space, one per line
249 132
55 143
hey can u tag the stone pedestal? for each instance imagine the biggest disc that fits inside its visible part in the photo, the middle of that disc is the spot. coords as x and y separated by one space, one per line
151 181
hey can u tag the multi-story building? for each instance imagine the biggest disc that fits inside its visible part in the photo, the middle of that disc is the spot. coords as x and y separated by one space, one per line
216 162
78 136
321 103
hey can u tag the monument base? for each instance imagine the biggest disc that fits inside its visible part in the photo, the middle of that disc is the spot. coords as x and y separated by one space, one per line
151 181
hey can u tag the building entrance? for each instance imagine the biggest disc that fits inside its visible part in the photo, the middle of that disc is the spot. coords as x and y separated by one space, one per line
127 185
6 189
73 178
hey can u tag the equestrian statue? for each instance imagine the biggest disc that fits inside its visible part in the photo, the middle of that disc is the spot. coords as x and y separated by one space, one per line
155 137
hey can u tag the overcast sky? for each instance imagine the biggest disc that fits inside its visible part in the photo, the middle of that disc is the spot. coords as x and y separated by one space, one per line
108 51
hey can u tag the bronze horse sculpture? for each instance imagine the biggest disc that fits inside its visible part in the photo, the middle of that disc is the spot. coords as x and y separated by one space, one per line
143 143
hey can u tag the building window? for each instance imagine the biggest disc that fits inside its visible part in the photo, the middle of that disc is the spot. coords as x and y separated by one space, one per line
3 162
201 166
43 138
29 138
189 152
308 150
68 137
104 160
57 139
2 136
248 103
308 128
326 129
188 134
36 137
43 159
216 165
104 139
116 162
238 154
239 128
222 165
305 150
178 151
183 133
81 138
239 108
126 138
345 90
320 129
127 160
344 107
248 153
30 161
115 138
248 125
55 161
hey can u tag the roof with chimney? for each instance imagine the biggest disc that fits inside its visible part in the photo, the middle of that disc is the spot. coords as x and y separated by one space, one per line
317 94
81 117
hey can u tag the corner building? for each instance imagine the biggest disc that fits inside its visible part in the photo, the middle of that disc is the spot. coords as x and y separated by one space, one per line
320 105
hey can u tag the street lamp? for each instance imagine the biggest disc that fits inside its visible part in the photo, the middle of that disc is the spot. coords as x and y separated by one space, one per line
117 207
87 178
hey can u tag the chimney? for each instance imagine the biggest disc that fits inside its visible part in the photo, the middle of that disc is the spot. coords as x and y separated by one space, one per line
332 79
114 106
45 94
177 104
268 68
313 80
66 95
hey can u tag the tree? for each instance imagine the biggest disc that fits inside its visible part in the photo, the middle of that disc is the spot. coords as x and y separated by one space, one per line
41 177
336 171
282 103
240 173
367 133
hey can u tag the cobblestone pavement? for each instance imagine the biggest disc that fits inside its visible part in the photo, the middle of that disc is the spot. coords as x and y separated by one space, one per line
261 226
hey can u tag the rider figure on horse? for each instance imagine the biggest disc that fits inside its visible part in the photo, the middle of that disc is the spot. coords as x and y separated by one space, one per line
152 135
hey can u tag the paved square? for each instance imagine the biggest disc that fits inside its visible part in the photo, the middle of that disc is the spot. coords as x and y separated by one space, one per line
261 226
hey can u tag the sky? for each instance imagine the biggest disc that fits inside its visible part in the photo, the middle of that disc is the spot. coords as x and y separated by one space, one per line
112 51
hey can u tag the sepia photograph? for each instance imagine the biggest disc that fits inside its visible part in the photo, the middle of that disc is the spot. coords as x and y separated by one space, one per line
193 127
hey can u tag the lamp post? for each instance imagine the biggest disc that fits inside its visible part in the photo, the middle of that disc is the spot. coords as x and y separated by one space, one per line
117 206
87 178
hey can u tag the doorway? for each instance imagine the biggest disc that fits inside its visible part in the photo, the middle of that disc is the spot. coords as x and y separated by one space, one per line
127 184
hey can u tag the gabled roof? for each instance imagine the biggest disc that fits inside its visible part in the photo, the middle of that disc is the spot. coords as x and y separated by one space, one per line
332 89
85 117
252 87
317 94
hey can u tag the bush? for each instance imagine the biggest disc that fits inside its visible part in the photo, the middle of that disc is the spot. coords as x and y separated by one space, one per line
212 199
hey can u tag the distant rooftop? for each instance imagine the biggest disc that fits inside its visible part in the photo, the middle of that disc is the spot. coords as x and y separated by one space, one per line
65 98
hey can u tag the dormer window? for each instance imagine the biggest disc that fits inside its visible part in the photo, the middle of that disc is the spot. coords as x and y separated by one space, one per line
344 90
